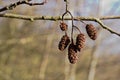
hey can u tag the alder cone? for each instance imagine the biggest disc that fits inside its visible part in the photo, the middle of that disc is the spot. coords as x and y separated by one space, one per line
63 42
63 26
91 31
72 54
80 41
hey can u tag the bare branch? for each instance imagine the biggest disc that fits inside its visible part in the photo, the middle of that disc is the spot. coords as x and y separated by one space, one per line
109 17
54 18
107 28
14 5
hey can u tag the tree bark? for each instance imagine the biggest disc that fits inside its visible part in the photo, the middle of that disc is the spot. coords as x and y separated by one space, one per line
94 59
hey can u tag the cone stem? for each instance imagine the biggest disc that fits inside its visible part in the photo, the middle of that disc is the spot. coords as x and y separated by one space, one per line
77 28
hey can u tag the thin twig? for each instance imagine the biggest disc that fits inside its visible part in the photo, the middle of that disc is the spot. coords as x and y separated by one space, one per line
54 18
66 5
67 11
77 28
72 23
14 5
109 17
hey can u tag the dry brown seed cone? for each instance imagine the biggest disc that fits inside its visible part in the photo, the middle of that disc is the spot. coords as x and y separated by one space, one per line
72 54
63 26
80 41
91 31
63 42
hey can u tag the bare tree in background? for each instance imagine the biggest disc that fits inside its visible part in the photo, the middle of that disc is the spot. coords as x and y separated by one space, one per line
45 60
95 51
94 60
67 68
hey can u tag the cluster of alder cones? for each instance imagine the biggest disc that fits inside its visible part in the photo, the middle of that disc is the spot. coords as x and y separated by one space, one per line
80 41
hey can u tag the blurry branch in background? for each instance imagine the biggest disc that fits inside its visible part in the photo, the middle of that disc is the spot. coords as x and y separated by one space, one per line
67 68
73 72
54 18
94 58
19 41
5 76
45 60
14 5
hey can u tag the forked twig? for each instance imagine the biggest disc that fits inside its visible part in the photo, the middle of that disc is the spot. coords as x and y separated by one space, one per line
14 5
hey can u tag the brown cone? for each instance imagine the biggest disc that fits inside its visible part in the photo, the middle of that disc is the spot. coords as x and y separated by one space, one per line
72 54
63 26
91 31
63 42
80 41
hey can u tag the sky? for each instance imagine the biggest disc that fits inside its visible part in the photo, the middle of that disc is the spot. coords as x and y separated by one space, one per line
110 5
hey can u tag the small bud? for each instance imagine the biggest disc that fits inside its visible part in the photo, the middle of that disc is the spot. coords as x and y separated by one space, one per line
63 26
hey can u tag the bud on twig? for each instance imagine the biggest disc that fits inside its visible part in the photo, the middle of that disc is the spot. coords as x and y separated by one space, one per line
63 26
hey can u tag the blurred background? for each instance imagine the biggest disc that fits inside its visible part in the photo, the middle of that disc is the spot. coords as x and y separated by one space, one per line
29 50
